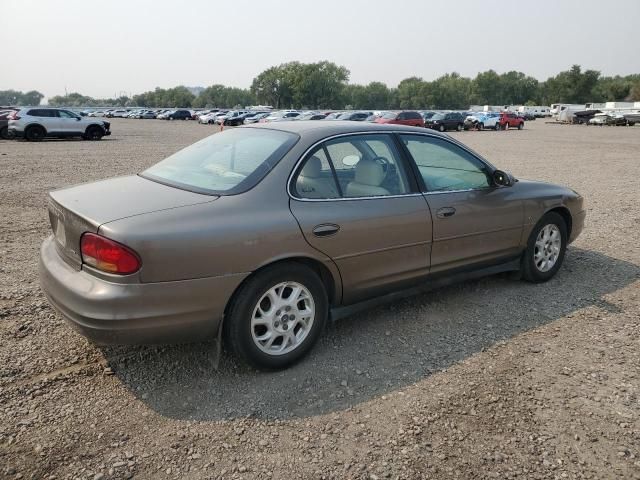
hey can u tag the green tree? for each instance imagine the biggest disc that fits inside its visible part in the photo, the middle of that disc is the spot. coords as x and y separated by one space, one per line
14 97
273 87
410 93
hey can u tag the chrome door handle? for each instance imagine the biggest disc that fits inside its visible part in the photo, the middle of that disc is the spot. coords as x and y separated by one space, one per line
325 230
445 212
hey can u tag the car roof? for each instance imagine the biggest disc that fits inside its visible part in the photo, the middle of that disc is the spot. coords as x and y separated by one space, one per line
338 127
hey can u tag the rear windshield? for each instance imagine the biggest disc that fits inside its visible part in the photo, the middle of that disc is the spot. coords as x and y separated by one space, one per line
225 163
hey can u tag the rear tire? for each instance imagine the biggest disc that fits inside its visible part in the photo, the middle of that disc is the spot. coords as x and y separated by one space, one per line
521 126
497 127
253 317
459 127
546 248
35 133
481 126
4 133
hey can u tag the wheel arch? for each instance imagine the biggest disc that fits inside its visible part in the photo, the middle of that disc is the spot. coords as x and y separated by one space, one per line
36 124
566 216
331 280
95 124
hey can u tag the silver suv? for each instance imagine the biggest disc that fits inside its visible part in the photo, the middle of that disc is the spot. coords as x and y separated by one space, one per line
37 123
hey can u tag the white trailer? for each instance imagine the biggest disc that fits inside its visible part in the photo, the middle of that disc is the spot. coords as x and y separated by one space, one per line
535 110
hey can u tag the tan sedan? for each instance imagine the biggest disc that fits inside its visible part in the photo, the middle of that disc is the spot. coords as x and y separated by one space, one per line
269 231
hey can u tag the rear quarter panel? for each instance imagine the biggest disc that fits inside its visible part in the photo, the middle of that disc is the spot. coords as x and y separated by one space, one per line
234 234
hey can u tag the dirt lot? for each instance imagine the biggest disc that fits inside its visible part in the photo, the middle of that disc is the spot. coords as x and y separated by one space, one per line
489 379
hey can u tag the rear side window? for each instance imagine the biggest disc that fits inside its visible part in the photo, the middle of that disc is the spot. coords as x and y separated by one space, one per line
356 166
42 112
317 178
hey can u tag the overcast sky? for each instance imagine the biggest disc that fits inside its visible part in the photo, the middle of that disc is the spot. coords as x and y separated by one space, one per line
104 48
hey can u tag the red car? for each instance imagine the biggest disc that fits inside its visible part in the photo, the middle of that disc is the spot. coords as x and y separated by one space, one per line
510 120
413 119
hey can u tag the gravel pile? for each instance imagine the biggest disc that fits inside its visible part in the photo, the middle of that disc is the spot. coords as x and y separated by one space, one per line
487 379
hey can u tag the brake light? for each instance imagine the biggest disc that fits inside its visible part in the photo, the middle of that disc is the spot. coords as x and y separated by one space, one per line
13 116
108 255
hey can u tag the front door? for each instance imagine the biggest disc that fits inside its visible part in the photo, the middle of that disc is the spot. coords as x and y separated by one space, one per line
473 220
67 122
356 203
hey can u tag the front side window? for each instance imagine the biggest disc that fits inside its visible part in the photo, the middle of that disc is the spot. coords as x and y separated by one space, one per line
65 114
363 166
445 166
229 162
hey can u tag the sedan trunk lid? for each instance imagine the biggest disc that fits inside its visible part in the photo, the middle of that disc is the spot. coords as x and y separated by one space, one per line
83 208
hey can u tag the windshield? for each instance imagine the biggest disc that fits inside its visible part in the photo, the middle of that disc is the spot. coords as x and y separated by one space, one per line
437 116
389 115
229 162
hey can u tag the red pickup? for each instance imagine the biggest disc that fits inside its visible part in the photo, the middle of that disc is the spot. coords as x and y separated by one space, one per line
510 120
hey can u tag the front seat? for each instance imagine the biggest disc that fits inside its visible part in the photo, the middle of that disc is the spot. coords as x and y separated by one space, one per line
311 183
369 176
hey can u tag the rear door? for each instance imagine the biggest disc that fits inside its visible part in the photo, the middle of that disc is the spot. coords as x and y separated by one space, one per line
355 202
473 220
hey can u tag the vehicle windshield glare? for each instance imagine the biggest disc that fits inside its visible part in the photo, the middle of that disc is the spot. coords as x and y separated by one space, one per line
437 116
225 163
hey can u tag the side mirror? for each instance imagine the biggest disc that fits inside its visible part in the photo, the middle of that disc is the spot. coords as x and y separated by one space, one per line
78 119
502 179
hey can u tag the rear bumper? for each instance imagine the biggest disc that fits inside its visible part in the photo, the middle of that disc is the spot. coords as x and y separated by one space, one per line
134 313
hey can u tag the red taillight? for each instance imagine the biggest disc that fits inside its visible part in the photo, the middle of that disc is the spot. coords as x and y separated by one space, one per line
13 116
107 255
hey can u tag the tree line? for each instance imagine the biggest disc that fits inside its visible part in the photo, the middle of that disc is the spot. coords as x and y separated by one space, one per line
13 97
325 85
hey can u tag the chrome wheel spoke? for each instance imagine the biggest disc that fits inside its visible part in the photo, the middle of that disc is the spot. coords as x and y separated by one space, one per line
282 318
547 247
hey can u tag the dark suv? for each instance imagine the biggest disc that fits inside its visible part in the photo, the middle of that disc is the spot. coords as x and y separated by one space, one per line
179 115
445 121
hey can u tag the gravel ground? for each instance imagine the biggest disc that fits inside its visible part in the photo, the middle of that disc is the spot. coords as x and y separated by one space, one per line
487 379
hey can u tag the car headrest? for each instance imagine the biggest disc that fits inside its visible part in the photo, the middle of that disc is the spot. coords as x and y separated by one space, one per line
369 172
312 168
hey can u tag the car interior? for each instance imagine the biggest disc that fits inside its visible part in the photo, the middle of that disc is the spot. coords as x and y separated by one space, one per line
363 167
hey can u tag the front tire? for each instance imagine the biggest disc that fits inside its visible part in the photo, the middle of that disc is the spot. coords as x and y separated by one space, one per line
545 249
4 133
93 133
521 126
277 316
459 127
441 128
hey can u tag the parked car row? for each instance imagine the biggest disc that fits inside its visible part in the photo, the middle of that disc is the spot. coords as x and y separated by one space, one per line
494 121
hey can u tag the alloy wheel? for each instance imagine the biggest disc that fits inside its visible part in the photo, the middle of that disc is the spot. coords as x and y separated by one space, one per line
547 247
282 318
